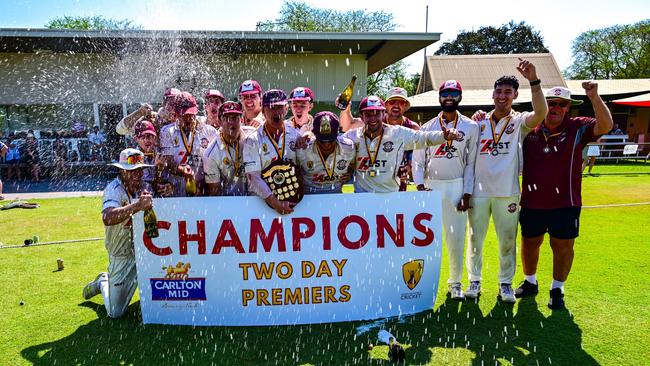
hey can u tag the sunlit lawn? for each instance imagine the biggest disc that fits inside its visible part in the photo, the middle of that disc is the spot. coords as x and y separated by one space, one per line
607 295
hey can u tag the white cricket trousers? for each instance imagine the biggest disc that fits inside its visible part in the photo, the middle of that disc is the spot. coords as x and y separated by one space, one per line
505 214
122 281
454 223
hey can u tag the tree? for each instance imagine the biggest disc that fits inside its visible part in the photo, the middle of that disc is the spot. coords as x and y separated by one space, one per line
617 52
91 23
508 38
299 17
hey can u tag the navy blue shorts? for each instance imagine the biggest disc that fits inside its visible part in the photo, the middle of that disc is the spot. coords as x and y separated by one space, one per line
560 223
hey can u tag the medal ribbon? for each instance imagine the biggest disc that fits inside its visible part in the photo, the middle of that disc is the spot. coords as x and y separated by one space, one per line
546 137
497 137
372 157
188 150
449 143
329 172
278 149
235 161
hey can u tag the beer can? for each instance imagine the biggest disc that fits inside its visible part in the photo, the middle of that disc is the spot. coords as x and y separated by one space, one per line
59 264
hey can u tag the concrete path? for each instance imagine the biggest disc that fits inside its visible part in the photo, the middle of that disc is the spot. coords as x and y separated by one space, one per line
38 195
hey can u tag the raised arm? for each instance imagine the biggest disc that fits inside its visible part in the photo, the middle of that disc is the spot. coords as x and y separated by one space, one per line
604 121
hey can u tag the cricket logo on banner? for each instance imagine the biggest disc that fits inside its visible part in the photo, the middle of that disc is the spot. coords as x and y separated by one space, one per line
412 272
177 285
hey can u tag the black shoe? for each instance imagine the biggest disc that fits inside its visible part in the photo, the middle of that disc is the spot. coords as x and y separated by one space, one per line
526 289
556 302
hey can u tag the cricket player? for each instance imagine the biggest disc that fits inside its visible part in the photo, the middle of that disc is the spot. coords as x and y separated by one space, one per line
250 95
166 114
223 161
496 178
122 199
380 147
270 142
153 177
301 101
213 99
326 162
449 168
183 144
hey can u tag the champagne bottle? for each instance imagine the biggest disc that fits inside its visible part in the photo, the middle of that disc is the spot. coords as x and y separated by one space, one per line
346 94
151 223
190 187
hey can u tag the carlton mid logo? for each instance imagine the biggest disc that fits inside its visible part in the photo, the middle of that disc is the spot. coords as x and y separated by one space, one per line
412 272
177 285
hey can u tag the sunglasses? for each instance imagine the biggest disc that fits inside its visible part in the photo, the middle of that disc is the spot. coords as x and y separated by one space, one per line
450 93
553 103
135 159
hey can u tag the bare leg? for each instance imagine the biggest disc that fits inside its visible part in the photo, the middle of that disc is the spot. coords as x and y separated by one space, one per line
562 258
530 253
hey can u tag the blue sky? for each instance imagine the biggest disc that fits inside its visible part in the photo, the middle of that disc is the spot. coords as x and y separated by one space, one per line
558 21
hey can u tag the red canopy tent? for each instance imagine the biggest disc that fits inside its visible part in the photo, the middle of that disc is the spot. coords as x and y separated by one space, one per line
642 100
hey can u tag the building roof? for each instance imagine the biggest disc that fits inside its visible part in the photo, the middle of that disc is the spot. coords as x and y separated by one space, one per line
642 100
381 48
478 72
612 87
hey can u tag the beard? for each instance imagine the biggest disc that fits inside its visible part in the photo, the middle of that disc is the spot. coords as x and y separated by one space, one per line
450 107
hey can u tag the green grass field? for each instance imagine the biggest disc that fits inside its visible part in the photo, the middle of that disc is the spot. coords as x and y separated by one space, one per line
607 297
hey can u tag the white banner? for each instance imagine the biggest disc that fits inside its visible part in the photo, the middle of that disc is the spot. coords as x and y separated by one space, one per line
338 257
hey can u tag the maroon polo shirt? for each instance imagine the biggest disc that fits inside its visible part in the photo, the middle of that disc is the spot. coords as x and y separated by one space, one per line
552 175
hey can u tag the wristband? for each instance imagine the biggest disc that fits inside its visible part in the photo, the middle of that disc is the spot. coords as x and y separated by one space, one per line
535 82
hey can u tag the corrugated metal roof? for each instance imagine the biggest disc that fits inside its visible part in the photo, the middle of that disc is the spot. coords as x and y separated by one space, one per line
479 72
607 87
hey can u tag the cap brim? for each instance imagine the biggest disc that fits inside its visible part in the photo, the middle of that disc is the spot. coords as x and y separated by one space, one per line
401 98
232 112
131 166
276 103
373 109
147 132
191 110
250 92
573 101
299 99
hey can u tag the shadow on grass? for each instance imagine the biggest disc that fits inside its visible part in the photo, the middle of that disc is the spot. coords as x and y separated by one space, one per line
453 333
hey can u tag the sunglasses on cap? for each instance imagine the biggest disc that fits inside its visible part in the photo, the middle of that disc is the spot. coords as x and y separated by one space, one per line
555 103
135 159
450 93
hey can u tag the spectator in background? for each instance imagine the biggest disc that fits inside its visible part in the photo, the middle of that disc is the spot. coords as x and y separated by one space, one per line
97 140
3 151
78 129
616 130
60 156
32 157
12 159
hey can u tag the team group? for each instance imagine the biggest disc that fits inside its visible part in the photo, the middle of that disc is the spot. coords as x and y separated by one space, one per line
475 164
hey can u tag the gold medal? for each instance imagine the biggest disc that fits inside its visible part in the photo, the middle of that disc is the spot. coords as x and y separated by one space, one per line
372 157
496 137
329 171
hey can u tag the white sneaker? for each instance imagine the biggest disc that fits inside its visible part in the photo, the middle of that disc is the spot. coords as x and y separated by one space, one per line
506 294
474 290
456 291
92 289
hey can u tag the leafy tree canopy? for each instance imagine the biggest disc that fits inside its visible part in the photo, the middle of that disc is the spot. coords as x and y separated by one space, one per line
508 38
96 22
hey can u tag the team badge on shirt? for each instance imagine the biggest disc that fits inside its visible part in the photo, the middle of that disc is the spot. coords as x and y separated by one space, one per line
176 141
340 165
226 161
265 148
292 145
462 136
510 129
388 146
512 207
310 164
204 143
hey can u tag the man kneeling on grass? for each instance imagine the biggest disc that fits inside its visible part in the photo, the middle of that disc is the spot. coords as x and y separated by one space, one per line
122 199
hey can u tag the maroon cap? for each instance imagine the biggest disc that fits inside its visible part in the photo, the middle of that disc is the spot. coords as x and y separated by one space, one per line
450 85
230 107
144 127
372 103
170 92
250 87
301 93
326 126
214 93
185 104
274 97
